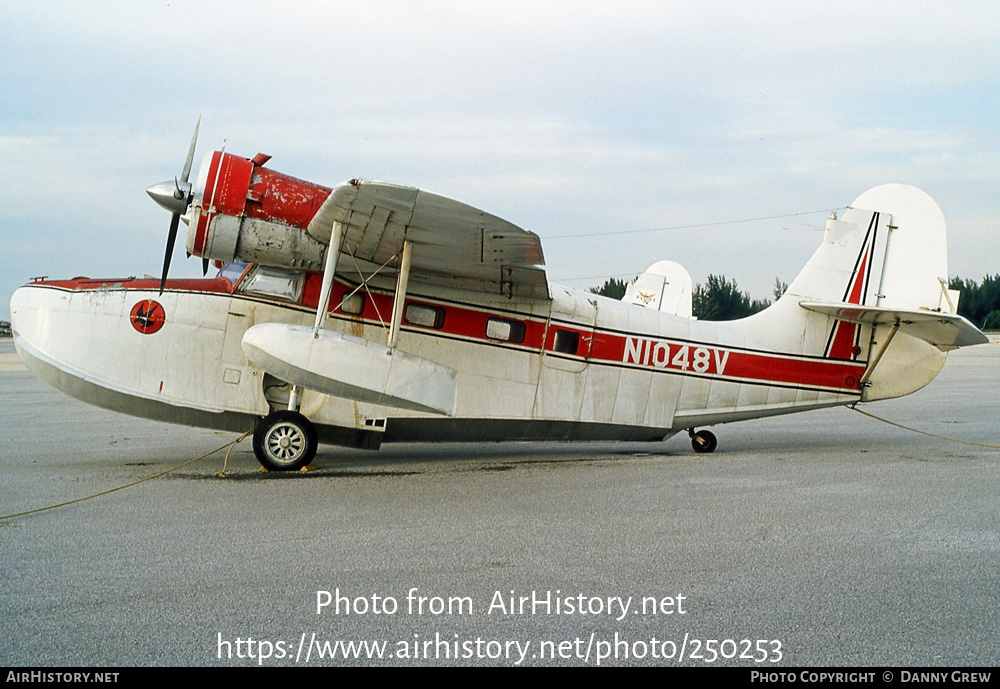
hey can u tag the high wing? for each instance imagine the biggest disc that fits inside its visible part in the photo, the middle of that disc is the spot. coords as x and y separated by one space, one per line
454 244
943 330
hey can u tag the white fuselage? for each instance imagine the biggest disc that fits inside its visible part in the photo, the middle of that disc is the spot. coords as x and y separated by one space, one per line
577 366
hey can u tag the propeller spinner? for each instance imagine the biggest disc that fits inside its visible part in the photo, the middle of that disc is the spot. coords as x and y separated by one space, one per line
175 196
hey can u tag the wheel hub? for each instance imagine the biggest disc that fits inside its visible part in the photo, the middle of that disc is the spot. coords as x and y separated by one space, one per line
285 443
284 440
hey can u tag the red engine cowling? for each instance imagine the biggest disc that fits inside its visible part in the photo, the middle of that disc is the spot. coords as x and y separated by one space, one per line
243 211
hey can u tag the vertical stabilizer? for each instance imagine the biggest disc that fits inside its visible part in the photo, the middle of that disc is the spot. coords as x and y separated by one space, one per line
885 258
665 286
889 250
874 292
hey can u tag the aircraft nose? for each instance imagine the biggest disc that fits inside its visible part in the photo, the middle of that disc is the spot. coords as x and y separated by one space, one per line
24 321
38 317
18 303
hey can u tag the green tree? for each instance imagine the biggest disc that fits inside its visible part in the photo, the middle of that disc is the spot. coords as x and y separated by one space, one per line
613 288
978 301
992 321
720 299
779 288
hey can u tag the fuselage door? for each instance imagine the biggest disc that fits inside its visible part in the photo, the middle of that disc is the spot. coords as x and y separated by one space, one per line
569 336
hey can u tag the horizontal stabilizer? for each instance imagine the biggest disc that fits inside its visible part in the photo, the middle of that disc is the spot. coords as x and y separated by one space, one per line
943 330
351 367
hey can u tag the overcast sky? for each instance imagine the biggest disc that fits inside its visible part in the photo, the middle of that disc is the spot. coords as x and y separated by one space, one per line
564 118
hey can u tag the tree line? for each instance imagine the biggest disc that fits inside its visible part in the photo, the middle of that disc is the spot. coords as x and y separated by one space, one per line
980 302
720 299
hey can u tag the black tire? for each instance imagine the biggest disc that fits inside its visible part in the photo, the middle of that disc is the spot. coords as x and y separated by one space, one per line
704 442
284 441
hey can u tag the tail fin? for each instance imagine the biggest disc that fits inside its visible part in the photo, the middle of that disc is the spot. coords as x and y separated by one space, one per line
881 277
665 286
889 250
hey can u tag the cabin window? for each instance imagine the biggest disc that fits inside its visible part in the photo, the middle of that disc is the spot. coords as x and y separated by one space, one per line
424 316
274 282
504 330
566 342
353 304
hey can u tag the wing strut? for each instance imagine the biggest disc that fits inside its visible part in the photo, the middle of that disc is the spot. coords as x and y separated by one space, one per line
397 304
878 355
332 253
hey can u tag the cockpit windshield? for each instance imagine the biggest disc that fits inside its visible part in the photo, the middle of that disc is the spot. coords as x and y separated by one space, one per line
232 271
274 282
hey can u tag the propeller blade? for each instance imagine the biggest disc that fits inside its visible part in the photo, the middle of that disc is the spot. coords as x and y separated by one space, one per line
204 267
171 237
190 158
176 198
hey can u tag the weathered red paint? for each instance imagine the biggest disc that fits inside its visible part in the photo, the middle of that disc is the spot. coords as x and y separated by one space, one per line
147 316
215 285
279 198
237 186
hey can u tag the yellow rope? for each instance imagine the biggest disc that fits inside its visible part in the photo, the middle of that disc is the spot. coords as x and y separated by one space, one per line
232 443
917 430
225 462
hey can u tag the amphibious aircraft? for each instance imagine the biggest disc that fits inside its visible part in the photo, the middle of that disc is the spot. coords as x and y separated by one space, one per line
370 312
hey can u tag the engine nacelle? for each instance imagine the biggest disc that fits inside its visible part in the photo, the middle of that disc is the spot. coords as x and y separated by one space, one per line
243 211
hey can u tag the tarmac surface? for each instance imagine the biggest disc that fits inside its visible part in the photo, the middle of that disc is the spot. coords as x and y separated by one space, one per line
824 538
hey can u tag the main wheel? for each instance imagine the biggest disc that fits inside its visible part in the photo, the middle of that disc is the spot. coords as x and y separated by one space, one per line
284 441
704 441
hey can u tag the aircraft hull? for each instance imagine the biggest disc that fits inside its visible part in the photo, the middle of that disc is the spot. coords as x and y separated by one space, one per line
637 374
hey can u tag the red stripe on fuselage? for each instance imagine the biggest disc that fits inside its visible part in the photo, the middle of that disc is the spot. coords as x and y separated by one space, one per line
460 321
713 361
600 347
618 349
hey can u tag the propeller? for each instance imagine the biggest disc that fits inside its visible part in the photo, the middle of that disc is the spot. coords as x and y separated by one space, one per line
175 196
204 262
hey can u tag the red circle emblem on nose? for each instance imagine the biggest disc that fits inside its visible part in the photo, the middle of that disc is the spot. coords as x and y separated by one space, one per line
147 316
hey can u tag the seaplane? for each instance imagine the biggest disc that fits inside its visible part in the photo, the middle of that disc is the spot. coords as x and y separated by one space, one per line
369 313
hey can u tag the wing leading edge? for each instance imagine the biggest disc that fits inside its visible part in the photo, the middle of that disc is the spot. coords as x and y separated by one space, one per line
455 245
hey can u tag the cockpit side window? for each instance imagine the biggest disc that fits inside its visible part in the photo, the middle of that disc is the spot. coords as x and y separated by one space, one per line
273 282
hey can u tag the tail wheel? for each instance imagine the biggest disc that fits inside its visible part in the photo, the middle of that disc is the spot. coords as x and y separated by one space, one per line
284 441
704 441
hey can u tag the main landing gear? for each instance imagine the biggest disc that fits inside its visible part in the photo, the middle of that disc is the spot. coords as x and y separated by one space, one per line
284 441
703 441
